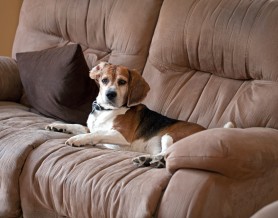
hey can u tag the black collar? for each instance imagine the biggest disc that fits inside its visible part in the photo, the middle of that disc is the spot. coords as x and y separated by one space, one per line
98 107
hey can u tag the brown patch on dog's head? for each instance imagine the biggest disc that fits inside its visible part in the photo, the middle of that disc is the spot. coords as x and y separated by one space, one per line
96 72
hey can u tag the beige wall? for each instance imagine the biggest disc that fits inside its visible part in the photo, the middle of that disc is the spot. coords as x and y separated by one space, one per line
9 13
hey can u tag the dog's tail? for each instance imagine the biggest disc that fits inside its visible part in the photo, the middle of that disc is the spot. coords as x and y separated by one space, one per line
230 124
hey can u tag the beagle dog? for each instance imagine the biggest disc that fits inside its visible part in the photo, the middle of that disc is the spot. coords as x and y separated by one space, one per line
119 121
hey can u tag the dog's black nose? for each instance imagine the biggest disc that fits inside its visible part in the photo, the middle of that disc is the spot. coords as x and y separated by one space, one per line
111 95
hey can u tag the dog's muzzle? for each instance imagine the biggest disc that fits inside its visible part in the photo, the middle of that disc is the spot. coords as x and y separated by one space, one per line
111 95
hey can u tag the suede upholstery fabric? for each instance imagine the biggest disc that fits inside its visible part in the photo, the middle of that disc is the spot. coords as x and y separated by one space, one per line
207 61
258 155
102 28
235 68
17 140
216 63
269 211
232 39
200 193
95 183
50 79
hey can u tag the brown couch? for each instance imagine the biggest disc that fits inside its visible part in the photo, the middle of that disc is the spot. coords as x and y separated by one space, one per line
269 211
206 61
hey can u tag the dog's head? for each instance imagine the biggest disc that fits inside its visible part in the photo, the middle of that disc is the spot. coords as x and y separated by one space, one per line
118 86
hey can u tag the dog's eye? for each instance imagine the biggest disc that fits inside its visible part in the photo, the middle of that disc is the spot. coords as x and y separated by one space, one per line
121 82
105 81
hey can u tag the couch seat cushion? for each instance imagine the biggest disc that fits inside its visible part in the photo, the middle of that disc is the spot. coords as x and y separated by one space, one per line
20 132
89 182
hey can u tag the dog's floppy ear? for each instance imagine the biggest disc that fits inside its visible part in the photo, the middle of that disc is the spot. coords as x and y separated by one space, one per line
95 73
137 90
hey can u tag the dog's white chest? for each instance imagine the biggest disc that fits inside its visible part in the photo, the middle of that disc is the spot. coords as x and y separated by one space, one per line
103 119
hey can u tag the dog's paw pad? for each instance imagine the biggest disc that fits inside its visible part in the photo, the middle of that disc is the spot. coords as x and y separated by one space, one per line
142 161
57 128
158 161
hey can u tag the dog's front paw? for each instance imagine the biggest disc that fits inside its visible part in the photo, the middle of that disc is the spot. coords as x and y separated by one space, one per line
142 161
57 127
75 141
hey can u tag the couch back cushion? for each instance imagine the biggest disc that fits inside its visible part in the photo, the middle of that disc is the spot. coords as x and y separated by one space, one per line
212 61
114 31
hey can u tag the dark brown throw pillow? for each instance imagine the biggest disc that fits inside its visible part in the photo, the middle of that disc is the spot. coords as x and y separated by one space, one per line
57 84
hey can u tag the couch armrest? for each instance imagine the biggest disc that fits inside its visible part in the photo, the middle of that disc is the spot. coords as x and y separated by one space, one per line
236 153
10 83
